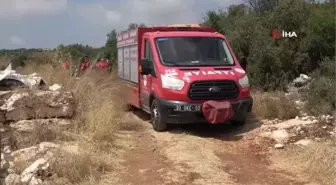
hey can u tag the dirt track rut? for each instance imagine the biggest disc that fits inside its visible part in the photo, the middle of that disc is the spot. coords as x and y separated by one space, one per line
201 155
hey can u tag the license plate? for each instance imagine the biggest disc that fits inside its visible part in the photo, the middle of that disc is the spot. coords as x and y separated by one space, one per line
191 108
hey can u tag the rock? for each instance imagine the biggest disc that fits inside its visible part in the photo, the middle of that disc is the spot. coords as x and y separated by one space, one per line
314 121
47 145
7 150
4 164
304 118
29 125
12 179
279 146
29 173
38 104
318 139
26 154
290 123
304 142
55 87
31 153
35 181
280 136
11 171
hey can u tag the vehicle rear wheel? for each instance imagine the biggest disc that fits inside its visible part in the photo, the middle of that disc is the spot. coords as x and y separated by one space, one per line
158 123
130 108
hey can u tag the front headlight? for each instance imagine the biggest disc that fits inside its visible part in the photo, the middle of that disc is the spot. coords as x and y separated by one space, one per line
244 82
169 82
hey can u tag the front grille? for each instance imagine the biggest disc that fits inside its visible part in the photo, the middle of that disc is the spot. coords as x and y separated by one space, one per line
201 90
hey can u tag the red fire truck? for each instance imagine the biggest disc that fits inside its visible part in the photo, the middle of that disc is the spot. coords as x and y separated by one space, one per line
184 74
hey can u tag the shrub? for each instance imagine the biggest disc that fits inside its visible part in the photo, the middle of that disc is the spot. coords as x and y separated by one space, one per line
271 105
321 93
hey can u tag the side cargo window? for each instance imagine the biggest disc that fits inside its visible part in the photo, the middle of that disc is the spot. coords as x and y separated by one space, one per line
149 55
148 51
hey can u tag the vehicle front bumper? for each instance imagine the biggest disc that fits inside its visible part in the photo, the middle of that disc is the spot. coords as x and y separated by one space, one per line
242 108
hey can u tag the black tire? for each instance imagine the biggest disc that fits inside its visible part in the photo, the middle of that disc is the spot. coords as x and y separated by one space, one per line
238 123
10 84
130 108
158 123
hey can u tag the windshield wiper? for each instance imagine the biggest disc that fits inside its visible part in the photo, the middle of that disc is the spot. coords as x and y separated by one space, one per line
171 63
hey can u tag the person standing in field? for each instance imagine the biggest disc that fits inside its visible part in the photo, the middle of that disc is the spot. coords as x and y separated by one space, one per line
86 64
102 64
65 65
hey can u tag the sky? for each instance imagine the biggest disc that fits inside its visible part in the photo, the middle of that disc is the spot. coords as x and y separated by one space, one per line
49 23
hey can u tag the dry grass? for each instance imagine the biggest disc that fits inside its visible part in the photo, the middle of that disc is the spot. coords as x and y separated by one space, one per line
271 105
4 61
77 168
316 161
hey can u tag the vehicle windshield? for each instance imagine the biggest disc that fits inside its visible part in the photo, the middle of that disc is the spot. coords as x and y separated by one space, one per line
194 51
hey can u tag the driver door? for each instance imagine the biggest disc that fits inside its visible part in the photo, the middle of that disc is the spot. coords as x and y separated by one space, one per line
146 80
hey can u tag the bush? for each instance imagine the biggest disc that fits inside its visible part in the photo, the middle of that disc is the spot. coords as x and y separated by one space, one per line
271 105
274 63
321 96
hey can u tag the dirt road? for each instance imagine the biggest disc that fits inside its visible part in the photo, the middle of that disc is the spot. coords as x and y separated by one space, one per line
204 155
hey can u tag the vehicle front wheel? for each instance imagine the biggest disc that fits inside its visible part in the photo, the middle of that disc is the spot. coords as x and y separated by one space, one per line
158 123
238 123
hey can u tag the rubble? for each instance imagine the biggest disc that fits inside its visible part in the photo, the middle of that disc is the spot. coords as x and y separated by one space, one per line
304 142
28 125
25 105
301 80
9 77
279 146
37 157
300 83
299 131
55 87
304 129
20 111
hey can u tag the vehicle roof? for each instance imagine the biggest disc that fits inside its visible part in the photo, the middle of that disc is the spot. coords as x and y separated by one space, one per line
184 33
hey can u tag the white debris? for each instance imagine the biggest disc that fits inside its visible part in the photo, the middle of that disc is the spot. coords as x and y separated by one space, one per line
304 142
7 149
281 136
31 81
289 123
301 80
55 87
279 146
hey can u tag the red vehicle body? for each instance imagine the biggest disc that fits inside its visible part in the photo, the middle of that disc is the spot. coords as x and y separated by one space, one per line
184 75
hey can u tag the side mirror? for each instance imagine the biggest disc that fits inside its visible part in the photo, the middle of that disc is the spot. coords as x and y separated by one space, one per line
243 63
144 67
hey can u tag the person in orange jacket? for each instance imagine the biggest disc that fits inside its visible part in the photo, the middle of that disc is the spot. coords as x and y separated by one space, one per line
65 65
86 64
102 64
